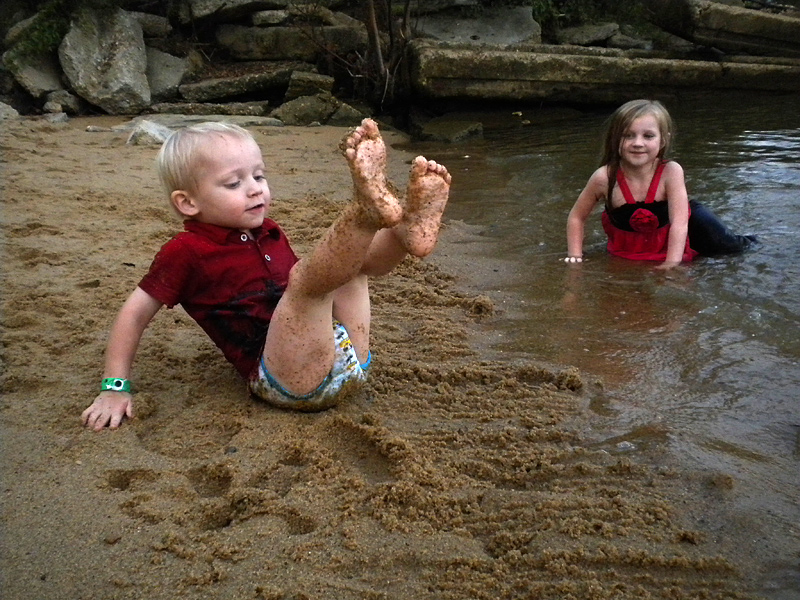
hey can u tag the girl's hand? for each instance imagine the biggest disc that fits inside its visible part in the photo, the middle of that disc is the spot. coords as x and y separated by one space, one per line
108 410
667 265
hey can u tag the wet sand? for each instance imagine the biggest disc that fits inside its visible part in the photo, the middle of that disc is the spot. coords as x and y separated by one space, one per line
452 475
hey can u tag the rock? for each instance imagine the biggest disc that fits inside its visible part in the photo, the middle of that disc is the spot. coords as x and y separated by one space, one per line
270 17
69 103
585 75
104 60
434 6
148 133
152 25
175 121
7 112
587 35
728 28
226 11
307 110
56 117
497 27
449 130
346 116
17 31
626 42
274 78
255 109
164 74
38 75
307 84
290 43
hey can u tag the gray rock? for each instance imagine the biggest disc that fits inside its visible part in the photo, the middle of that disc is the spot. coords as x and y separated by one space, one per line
223 10
17 31
274 77
69 103
449 130
346 116
728 28
56 117
175 121
587 35
269 17
307 84
104 60
255 109
148 133
290 43
626 42
164 74
7 112
38 75
504 26
153 25
307 110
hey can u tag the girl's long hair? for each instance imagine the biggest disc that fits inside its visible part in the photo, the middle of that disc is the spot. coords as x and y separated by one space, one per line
620 122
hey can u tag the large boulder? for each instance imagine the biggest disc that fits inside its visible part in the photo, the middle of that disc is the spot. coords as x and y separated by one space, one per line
104 59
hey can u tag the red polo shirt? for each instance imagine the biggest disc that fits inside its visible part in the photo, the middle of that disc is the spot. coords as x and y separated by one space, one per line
227 282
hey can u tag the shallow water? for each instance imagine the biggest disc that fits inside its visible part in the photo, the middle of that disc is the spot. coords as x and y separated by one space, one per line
704 361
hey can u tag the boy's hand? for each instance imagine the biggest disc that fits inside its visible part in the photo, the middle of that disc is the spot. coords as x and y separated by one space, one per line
108 410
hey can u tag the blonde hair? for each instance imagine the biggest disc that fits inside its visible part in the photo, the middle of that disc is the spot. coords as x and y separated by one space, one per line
176 158
620 121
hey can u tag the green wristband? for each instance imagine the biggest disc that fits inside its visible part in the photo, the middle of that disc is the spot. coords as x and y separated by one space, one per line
114 384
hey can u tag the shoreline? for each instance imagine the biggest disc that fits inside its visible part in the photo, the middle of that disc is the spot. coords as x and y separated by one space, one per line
454 475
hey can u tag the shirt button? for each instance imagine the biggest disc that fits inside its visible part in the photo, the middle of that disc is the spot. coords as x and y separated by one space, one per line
244 237
267 257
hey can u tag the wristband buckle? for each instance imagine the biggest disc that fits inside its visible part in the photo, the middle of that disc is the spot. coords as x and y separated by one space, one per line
115 384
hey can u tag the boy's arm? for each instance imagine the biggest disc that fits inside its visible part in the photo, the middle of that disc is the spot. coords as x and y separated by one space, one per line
678 203
109 408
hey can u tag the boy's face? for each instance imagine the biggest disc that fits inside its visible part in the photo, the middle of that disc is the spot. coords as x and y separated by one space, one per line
230 187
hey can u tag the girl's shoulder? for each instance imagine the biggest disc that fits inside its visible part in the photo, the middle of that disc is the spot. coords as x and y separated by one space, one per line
672 167
601 175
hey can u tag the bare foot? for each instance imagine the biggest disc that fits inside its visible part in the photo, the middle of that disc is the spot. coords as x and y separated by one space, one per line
366 155
426 198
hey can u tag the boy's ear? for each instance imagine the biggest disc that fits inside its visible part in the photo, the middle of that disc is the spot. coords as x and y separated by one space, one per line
183 203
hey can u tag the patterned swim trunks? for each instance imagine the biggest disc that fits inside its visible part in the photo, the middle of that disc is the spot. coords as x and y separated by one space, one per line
346 373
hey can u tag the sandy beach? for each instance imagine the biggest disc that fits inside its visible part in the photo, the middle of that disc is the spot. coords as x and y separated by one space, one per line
451 476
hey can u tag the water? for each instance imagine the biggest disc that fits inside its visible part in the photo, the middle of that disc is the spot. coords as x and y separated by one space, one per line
703 361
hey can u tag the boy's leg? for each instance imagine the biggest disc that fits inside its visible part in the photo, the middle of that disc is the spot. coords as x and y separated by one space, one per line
417 234
299 348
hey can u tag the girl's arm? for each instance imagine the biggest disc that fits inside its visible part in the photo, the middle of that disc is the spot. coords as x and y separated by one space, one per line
109 408
678 203
595 190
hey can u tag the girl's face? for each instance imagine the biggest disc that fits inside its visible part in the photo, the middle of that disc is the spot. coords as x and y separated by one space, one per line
230 186
642 142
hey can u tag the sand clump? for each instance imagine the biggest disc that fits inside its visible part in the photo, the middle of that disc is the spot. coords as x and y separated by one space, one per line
449 476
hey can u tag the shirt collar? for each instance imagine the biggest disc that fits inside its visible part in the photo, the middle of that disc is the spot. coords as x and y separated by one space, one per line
222 235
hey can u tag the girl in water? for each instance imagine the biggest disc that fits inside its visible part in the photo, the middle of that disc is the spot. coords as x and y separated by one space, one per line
648 214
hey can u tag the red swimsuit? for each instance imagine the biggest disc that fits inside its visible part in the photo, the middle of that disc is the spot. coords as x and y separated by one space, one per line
640 230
